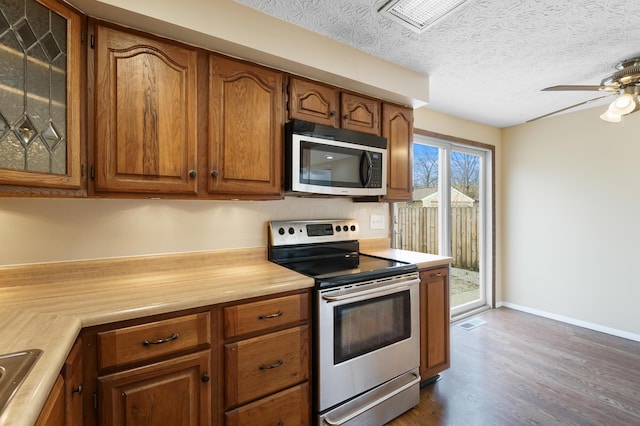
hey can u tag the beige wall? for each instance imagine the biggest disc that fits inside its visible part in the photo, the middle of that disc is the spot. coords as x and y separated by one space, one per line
570 219
45 230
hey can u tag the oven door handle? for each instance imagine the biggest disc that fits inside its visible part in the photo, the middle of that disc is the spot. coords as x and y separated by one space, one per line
387 289
372 404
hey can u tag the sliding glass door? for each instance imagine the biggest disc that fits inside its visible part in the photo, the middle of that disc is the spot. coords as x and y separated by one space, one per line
451 215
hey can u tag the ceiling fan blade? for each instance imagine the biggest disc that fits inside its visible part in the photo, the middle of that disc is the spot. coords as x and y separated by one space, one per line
580 88
569 107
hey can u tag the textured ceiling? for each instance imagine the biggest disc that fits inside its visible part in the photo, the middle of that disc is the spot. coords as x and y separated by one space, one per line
488 59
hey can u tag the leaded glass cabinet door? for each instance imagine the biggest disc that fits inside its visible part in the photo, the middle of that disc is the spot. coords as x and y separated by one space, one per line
39 94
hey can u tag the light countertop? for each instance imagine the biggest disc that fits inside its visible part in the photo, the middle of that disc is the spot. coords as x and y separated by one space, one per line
423 260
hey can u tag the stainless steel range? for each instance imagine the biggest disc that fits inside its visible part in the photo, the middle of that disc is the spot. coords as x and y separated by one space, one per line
366 322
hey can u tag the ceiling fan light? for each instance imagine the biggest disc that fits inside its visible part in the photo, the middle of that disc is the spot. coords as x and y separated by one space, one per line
611 117
624 104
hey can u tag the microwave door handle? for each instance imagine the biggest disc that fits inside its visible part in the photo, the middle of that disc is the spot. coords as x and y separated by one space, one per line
365 169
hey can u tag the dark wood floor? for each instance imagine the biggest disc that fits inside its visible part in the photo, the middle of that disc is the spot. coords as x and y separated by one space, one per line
521 369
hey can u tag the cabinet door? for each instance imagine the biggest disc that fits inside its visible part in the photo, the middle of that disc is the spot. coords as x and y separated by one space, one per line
360 113
245 129
434 322
52 413
173 392
397 127
73 385
40 95
314 102
145 114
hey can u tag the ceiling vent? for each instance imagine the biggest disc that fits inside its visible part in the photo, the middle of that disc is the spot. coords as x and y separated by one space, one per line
418 15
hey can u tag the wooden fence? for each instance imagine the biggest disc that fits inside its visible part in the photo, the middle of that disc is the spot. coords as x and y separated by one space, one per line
418 231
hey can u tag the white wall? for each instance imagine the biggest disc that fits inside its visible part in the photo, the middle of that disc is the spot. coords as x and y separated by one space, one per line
570 219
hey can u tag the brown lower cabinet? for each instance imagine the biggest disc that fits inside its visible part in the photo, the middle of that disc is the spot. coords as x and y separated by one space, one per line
172 392
241 363
266 355
434 322
64 404
52 413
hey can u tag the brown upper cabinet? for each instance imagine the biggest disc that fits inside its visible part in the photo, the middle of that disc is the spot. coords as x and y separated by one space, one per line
145 114
360 113
397 127
40 97
327 105
245 129
314 102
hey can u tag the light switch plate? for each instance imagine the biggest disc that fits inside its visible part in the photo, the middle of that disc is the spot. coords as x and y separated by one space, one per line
376 221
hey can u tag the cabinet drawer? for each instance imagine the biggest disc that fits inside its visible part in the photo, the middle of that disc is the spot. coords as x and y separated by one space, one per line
262 365
147 341
265 314
289 407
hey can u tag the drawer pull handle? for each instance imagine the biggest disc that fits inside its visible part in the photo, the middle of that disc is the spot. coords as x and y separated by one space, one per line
174 336
280 423
439 274
276 315
278 363
76 390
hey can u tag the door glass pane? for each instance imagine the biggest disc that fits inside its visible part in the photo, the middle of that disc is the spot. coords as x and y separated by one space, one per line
464 220
417 223
447 214
32 88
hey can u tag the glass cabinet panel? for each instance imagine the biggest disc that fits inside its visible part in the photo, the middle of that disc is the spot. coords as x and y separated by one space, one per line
36 37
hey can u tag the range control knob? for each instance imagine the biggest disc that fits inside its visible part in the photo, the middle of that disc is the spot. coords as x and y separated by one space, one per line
281 231
345 228
338 229
292 231
353 227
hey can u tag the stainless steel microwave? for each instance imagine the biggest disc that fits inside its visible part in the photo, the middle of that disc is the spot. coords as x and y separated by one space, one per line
325 160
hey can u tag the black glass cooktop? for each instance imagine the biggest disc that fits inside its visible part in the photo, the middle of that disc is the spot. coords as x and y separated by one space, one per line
348 269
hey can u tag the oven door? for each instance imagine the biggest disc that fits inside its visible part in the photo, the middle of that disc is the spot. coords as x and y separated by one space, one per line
368 335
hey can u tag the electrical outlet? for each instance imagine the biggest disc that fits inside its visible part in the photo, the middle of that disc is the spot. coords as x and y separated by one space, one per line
376 221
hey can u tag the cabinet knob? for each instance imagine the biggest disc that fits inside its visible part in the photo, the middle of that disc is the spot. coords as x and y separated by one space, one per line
214 174
346 116
205 378
332 113
193 174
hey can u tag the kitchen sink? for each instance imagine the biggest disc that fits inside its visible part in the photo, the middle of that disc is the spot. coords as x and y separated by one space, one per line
14 367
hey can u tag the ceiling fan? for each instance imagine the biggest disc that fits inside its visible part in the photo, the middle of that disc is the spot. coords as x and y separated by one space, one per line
625 82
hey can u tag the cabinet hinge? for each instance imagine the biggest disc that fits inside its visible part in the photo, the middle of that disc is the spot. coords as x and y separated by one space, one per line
93 41
95 400
93 172
83 170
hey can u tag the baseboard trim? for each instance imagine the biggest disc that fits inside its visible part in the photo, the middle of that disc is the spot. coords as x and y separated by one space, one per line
573 321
